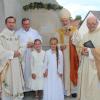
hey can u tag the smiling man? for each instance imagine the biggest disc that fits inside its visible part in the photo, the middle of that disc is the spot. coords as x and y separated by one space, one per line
89 70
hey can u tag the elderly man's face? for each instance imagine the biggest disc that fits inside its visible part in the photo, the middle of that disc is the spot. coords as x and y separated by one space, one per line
65 21
92 24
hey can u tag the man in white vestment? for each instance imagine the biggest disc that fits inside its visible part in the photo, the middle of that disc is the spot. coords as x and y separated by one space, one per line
11 78
27 35
89 70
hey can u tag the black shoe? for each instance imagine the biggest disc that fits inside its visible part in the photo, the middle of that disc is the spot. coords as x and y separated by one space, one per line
74 95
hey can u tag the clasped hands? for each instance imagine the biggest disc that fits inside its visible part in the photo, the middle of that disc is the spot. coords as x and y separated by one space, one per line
17 53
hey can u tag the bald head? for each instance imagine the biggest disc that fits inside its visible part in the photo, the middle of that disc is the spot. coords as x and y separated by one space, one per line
92 23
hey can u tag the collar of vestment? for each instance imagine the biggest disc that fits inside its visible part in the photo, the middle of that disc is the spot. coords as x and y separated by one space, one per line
8 34
25 30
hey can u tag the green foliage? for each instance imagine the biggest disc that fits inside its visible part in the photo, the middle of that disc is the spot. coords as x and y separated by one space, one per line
40 5
78 17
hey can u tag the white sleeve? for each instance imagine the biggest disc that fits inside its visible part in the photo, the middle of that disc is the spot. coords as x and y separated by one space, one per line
5 56
60 63
36 35
32 64
9 54
22 49
76 38
4 53
90 54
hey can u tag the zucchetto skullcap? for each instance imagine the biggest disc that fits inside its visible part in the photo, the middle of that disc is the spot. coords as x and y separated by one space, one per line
65 14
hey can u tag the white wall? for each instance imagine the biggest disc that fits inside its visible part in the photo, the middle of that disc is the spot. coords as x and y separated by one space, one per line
47 22
12 8
2 14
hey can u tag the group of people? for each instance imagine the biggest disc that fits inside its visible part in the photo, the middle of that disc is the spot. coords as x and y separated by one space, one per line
69 67
24 66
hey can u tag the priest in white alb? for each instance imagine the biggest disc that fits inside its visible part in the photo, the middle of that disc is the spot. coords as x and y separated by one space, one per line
89 70
11 74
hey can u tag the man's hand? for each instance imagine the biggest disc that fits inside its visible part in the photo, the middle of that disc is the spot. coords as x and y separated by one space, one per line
60 75
33 76
30 45
62 47
45 74
17 54
84 51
